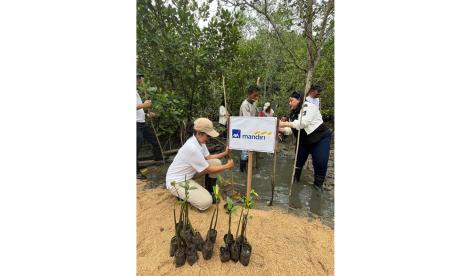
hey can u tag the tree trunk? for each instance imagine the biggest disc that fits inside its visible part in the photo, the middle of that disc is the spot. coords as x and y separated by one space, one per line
193 90
308 80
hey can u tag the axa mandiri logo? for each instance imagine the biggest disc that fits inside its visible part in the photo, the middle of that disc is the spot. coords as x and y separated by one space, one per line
236 133
257 135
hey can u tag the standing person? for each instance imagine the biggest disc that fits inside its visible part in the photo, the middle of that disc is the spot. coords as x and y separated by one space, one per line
313 95
249 108
315 137
269 112
143 131
223 118
194 158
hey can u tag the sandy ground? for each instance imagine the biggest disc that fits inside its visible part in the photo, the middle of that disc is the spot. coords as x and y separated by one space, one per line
282 244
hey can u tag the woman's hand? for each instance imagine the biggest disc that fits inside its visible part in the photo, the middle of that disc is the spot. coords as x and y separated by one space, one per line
284 124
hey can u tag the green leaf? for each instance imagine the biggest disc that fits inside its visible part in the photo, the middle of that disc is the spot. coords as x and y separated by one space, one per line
229 202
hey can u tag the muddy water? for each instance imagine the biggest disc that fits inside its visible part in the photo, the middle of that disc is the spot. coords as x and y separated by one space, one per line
305 200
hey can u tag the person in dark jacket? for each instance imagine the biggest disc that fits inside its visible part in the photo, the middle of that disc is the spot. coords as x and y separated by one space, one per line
315 137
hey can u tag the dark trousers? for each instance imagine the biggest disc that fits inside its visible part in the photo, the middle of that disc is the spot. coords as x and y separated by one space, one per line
145 132
319 152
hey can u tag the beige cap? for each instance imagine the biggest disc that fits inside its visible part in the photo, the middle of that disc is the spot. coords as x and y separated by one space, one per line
206 126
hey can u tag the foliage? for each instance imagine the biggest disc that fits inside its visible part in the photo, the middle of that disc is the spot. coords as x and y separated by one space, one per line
184 62
249 202
230 208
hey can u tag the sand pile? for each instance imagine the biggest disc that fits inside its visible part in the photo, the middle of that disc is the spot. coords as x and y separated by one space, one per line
282 244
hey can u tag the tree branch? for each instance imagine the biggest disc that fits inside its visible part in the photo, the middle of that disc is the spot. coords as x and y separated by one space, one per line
275 28
323 28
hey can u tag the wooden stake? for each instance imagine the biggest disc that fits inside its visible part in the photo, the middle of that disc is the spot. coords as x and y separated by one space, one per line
257 154
296 151
224 94
227 143
158 140
227 129
154 132
249 174
273 181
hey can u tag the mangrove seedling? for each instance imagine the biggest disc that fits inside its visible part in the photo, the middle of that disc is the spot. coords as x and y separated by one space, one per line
187 230
210 239
225 254
174 240
191 255
235 248
225 251
212 233
183 243
180 254
230 209
245 246
207 250
180 257
198 241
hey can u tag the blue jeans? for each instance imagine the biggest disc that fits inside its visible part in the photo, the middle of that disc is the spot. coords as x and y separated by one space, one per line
319 152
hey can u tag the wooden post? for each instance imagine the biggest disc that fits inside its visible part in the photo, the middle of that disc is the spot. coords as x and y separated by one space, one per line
249 174
154 132
224 95
229 156
256 155
273 181
296 153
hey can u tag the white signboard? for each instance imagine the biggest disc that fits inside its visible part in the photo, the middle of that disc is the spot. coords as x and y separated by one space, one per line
252 133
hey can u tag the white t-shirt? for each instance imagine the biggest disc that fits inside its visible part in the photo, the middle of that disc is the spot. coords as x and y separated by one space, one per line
248 109
140 112
222 119
315 101
189 160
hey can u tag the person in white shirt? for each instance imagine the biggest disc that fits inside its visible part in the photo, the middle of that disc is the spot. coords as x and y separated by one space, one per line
143 131
269 112
249 108
249 105
223 118
194 159
315 137
313 95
